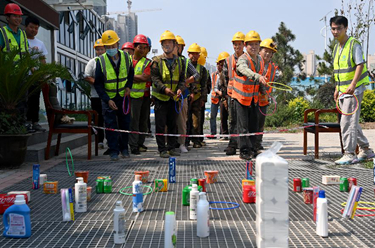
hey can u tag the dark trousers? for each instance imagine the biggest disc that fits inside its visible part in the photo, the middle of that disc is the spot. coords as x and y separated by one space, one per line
223 118
247 122
140 112
196 117
189 125
261 122
233 141
165 116
32 113
116 119
96 104
202 119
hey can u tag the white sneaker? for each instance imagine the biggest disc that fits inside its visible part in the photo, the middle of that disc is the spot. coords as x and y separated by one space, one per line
365 154
347 159
183 149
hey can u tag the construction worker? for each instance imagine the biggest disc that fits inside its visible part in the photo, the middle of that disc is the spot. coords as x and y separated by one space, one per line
12 37
113 82
245 92
96 102
140 101
147 93
267 50
202 62
191 76
216 97
168 82
229 70
200 93
128 47
351 77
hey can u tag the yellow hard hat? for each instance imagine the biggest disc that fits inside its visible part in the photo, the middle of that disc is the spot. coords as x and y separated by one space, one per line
98 43
252 36
239 36
109 38
194 48
204 51
222 56
180 41
268 43
167 35
202 60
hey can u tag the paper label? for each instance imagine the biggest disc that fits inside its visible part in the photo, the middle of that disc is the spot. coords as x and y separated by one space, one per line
16 225
121 224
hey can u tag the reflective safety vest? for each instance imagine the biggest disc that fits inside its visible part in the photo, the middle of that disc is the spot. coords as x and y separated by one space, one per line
244 89
214 95
139 88
270 74
114 84
198 85
169 78
231 63
11 42
344 66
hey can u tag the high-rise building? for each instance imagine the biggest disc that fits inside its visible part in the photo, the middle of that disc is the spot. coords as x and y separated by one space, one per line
100 9
309 66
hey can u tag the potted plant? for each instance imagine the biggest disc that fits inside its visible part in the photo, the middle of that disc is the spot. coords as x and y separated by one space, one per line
15 81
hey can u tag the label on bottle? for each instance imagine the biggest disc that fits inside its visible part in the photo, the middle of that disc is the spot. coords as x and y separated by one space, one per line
17 225
121 224
82 197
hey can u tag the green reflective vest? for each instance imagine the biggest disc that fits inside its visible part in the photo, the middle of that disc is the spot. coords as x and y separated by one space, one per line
114 84
139 88
198 85
11 43
344 67
170 81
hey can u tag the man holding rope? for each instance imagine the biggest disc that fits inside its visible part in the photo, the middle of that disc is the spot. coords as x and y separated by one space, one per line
351 77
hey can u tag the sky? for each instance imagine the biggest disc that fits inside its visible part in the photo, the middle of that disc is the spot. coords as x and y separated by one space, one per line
212 23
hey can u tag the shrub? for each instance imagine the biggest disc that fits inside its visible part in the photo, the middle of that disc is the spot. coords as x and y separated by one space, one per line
297 107
368 106
281 118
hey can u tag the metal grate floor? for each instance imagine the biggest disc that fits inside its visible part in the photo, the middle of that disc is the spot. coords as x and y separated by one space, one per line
230 228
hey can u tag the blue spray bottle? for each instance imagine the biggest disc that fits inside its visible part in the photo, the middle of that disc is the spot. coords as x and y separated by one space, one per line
16 219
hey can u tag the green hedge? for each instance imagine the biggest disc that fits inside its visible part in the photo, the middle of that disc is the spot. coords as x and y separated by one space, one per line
368 106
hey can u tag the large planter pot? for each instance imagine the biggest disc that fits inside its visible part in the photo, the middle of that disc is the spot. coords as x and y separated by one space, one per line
13 150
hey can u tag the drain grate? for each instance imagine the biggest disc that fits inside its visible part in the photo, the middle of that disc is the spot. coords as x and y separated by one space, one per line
233 228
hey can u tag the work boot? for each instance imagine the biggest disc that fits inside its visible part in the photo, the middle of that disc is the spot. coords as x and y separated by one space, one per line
365 154
142 148
230 151
245 155
135 151
203 143
114 157
164 154
197 145
173 152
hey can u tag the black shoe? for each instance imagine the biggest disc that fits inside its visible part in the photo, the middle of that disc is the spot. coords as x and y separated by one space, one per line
197 145
177 145
245 155
29 128
142 148
106 152
230 151
135 151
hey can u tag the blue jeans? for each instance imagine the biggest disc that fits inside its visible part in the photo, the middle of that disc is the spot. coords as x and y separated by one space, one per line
116 119
214 110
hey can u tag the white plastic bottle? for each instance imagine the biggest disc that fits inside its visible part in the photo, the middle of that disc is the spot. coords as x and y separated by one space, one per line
80 196
137 185
194 197
322 215
203 216
170 234
119 223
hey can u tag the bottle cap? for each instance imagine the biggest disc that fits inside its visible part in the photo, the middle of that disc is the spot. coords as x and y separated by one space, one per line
119 203
79 179
322 194
20 199
195 187
137 177
169 213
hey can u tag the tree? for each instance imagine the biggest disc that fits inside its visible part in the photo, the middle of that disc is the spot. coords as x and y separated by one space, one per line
288 59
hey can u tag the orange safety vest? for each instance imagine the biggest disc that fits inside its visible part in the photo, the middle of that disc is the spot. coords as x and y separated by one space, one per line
231 63
270 74
214 95
244 89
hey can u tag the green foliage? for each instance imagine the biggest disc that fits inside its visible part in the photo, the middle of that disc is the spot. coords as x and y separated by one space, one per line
9 124
281 118
368 106
297 107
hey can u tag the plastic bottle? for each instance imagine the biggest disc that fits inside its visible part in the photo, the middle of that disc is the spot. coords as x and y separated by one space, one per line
203 216
16 219
170 234
194 197
137 195
119 223
80 196
322 215
137 185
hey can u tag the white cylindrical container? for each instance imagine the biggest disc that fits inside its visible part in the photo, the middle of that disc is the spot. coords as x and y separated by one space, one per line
322 215
170 234
42 179
194 197
119 223
80 196
137 185
203 216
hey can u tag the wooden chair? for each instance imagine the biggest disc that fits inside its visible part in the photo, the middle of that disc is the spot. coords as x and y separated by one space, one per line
331 128
58 128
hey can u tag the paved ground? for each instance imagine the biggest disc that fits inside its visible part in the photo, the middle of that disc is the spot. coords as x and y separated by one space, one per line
228 228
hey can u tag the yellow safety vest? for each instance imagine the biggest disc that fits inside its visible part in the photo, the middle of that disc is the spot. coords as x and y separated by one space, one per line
344 67
114 84
139 88
167 79
198 84
11 43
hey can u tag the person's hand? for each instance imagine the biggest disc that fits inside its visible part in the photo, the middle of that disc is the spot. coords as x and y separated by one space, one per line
263 80
350 90
169 92
112 105
127 91
335 95
179 93
219 93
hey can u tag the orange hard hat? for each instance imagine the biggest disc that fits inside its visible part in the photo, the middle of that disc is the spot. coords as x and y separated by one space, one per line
12 9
